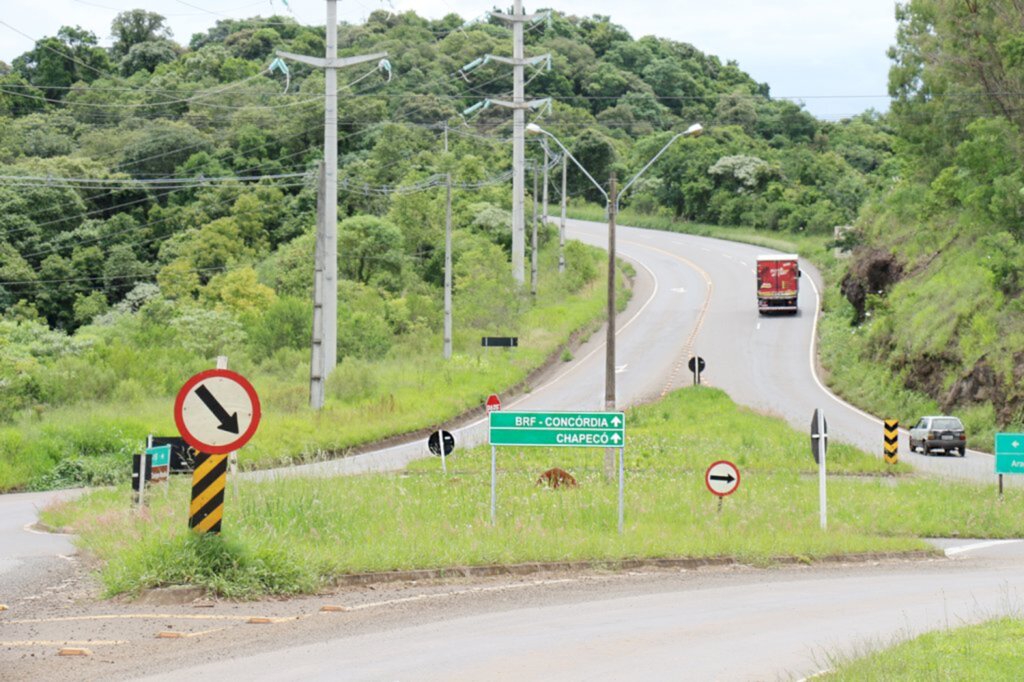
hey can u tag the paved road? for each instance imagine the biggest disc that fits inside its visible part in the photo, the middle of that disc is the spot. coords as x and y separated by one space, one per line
721 624
693 295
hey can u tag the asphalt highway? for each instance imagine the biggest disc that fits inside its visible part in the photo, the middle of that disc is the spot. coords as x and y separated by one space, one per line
692 295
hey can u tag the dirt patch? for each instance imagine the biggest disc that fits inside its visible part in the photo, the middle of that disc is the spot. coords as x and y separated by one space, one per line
872 271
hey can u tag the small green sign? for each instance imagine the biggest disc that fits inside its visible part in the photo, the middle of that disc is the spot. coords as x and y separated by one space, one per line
161 456
1010 453
558 429
1010 443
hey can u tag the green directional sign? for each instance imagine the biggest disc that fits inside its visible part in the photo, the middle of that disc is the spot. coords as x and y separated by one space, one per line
559 429
1010 453
161 455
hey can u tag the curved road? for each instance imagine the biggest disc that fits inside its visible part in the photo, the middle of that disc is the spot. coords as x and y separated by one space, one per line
693 295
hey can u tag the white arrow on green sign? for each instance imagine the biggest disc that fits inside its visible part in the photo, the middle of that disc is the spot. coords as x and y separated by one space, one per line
1010 453
559 429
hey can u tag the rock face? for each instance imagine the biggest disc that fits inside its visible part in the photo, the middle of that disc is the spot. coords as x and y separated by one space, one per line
872 271
556 478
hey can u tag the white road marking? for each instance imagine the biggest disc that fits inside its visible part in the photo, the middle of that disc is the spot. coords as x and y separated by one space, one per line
621 368
951 551
759 326
679 290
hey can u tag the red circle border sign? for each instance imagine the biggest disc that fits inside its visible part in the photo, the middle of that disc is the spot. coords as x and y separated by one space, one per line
192 440
731 466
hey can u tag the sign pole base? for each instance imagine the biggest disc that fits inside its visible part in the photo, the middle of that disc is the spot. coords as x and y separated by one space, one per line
622 478
494 494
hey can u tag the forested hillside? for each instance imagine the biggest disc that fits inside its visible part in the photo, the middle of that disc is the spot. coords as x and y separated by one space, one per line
935 287
157 198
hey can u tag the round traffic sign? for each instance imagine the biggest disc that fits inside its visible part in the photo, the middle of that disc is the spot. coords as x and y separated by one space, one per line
722 478
217 411
493 403
439 437
696 364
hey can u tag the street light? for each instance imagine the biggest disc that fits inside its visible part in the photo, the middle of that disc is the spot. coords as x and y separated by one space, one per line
612 202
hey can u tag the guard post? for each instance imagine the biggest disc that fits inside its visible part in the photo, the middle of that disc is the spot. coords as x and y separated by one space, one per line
891 437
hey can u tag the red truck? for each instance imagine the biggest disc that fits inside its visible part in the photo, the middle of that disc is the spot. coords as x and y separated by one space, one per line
778 283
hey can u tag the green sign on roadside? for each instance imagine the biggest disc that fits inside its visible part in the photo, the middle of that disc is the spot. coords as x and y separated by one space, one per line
161 456
558 429
1010 453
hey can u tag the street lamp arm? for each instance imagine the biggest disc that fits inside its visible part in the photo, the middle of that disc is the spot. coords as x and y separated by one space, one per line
695 129
534 128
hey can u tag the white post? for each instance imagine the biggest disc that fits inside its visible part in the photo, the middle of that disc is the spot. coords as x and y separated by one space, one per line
622 485
494 493
821 469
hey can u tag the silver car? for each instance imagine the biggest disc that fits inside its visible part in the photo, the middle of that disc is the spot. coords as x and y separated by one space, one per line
939 433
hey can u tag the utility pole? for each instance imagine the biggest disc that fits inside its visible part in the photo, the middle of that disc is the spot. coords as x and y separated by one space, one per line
519 105
533 241
317 375
328 349
561 225
547 158
609 356
447 257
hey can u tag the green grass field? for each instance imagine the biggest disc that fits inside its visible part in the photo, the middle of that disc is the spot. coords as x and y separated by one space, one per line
89 443
989 652
298 535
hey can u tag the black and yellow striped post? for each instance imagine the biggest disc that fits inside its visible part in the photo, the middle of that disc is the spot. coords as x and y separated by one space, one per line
208 479
892 441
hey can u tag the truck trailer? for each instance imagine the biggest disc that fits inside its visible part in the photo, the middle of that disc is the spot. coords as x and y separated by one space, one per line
778 283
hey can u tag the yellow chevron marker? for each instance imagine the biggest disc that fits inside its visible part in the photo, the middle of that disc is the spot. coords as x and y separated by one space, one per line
892 441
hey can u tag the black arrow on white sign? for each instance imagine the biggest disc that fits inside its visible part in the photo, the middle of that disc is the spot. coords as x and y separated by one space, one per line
728 479
228 422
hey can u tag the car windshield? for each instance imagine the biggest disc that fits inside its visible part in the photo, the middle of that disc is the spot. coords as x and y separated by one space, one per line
947 423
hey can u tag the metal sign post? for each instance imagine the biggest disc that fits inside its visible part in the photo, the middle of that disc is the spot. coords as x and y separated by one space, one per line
696 365
559 429
819 446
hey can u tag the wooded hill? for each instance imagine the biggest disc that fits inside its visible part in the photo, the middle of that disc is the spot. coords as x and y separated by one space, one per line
157 200
937 281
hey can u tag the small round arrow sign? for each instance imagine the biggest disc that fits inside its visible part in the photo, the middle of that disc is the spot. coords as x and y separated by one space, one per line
437 438
722 478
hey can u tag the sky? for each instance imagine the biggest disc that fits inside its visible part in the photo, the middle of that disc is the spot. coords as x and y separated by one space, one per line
829 55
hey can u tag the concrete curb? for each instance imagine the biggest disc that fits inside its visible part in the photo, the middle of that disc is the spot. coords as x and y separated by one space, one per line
357 579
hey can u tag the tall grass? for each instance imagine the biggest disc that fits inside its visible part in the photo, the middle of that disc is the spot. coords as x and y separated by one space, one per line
296 535
412 388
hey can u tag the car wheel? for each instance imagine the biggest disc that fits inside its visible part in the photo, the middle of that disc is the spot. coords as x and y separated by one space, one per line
962 451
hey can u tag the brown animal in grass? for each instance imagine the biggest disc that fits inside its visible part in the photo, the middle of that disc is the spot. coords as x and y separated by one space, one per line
556 478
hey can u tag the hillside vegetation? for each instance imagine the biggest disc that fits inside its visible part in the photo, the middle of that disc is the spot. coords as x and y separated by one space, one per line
158 201
933 290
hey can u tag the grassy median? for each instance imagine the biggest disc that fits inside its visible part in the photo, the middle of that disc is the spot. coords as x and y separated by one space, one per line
298 535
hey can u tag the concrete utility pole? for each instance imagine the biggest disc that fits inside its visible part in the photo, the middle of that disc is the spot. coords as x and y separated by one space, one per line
329 286
447 258
561 225
519 105
609 356
317 375
547 158
533 241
